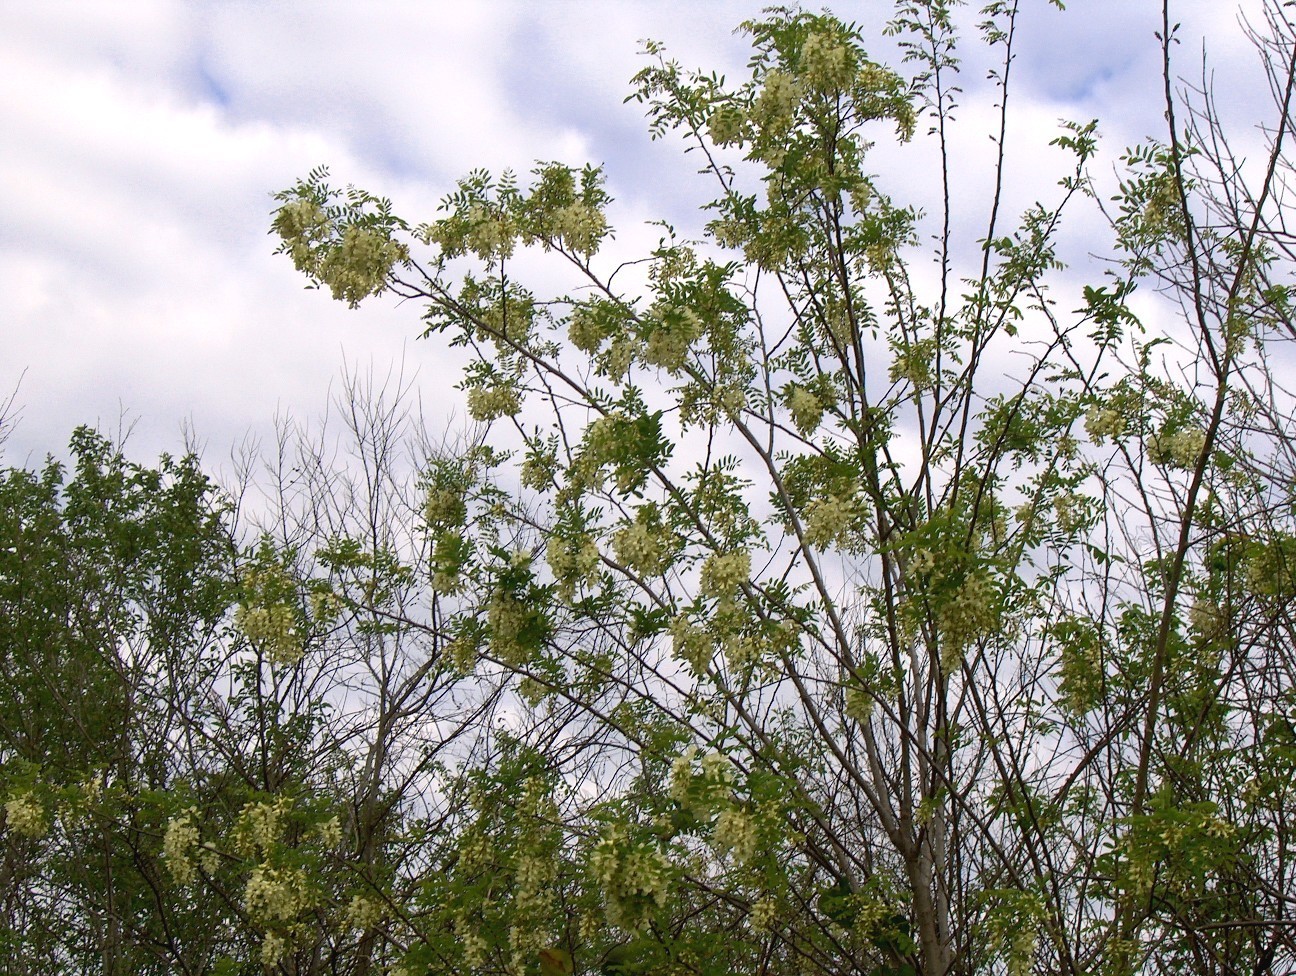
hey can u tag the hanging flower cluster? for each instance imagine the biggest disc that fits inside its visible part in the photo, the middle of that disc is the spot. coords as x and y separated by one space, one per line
269 615
347 246
178 846
1178 449
26 815
634 876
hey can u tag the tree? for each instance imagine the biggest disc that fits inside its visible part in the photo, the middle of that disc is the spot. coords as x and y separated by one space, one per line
228 742
893 662
790 607
113 584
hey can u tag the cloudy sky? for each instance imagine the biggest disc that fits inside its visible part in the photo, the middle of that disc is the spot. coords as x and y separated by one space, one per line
141 140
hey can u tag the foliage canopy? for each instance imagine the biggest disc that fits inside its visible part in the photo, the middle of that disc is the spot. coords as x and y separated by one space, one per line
790 606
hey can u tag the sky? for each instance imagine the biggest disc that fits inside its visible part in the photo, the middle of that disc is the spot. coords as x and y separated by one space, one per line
141 142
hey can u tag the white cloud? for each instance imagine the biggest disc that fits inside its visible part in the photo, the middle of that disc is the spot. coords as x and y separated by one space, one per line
143 141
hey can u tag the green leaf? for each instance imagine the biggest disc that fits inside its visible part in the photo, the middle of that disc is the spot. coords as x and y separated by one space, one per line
555 962
838 904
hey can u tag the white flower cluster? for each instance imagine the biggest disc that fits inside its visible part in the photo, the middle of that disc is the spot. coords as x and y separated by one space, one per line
325 605
474 945
1103 422
880 257
763 915
616 361
828 522
643 545
272 628
741 650
581 227
178 843
358 266
681 774
861 195
476 853
209 858
507 323
273 948
92 788
507 617
668 343
691 644
727 126
534 876
1269 568
1015 925
602 438
635 878
462 654
444 508
735 832
1026 513
25 815
730 399
486 403
537 800
574 563
775 108
533 691
539 468
705 788
448 558
276 895
966 617
1163 212
994 522
1204 617
301 223
533 894
606 444
914 364
1021 950
859 704
260 826
1217 828
525 944
921 562
1081 675
724 572
837 320
875 78
492 233
74 807
1182 449
717 768
826 63
585 330
1071 510
807 408
364 912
